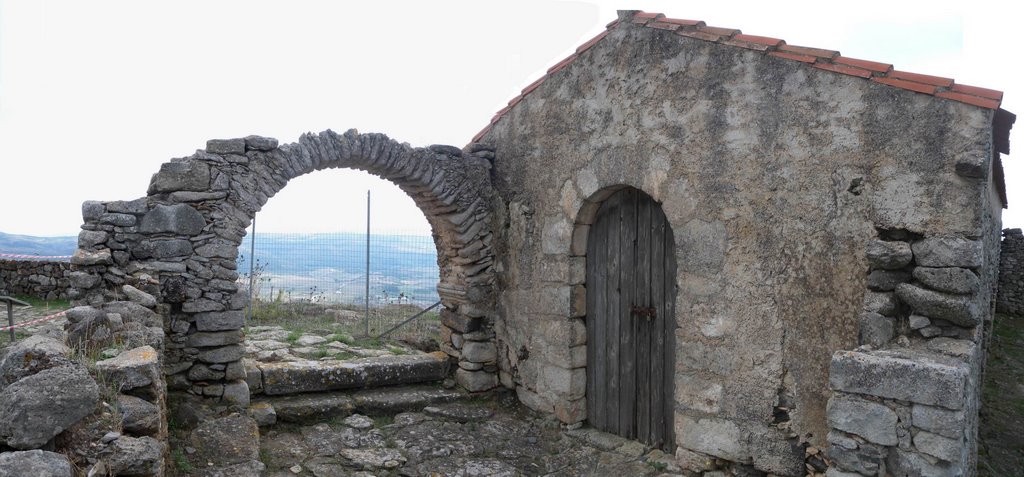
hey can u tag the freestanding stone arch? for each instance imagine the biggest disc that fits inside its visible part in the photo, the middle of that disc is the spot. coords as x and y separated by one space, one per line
180 243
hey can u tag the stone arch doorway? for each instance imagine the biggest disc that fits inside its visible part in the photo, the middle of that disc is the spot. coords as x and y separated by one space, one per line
630 303
180 242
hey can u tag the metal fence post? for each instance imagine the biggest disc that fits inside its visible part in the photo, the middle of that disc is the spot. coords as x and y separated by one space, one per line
366 317
252 264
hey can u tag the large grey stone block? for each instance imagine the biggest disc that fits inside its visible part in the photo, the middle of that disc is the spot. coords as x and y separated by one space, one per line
870 420
131 369
883 303
957 309
938 420
886 280
162 248
226 146
180 219
887 255
314 376
34 463
36 408
949 252
30 356
260 143
910 376
220 320
944 448
177 176
875 330
712 436
951 280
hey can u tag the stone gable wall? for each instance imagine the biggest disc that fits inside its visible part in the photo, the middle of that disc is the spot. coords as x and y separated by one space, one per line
774 177
41 279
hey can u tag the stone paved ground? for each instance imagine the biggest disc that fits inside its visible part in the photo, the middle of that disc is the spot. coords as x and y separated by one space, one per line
479 438
270 343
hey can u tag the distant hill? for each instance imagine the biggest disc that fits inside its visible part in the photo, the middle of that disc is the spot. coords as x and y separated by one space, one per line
29 245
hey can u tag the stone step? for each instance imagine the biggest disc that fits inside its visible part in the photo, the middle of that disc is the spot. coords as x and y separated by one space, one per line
320 407
296 377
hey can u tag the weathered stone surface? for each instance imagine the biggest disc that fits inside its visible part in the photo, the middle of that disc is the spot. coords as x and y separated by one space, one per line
886 280
92 257
883 303
260 143
38 407
872 421
236 393
202 372
217 250
312 376
312 407
917 322
957 309
373 458
712 436
908 463
888 255
228 440
178 219
909 375
475 381
132 312
458 412
399 399
176 176
875 330
138 416
222 354
34 463
214 338
479 352
83 280
162 248
131 456
220 320
949 252
944 448
91 238
460 322
139 296
951 280
131 369
30 356
226 146
263 413
941 421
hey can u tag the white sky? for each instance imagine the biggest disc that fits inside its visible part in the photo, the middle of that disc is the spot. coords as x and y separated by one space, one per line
95 95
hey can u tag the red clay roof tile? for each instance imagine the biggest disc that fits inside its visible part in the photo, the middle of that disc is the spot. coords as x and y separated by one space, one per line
700 35
683 22
663 25
591 42
562 64
533 86
911 85
978 91
764 40
794 56
643 17
805 50
748 45
920 78
868 65
969 99
729 32
846 70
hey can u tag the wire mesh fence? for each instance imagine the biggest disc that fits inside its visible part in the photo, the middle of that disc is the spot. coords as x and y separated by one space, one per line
318 281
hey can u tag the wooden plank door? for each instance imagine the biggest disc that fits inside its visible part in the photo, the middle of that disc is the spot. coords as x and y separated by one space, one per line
631 275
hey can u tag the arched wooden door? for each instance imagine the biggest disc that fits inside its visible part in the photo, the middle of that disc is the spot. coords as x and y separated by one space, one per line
631 276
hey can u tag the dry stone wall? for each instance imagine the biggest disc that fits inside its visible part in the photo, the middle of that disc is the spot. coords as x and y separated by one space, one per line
1011 273
179 244
42 279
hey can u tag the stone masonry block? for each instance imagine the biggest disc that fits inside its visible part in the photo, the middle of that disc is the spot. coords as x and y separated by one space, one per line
909 375
870 420
949 252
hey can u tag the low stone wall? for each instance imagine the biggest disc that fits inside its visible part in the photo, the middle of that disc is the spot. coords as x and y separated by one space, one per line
44 280
1011 273
906 401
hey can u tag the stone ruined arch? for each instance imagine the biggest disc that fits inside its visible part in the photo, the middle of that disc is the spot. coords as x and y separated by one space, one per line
180 242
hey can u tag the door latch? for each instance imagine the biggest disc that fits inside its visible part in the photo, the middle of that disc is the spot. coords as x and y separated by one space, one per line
644 312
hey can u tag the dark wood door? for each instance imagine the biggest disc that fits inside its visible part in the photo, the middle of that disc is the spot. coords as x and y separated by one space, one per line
631 276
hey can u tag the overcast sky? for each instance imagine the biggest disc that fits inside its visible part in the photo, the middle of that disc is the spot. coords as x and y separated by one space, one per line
95 95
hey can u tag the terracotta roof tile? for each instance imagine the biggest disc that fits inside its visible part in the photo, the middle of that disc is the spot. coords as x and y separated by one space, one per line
533 86
846 70
969 99
562 64
978 91
794 56
868 65
919 78
643 17
699 34
593 41
911 85
804 50
663 25
763 40
683 22
726 32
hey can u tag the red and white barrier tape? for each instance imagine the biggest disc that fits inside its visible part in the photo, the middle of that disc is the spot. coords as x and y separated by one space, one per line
33 322
44 257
